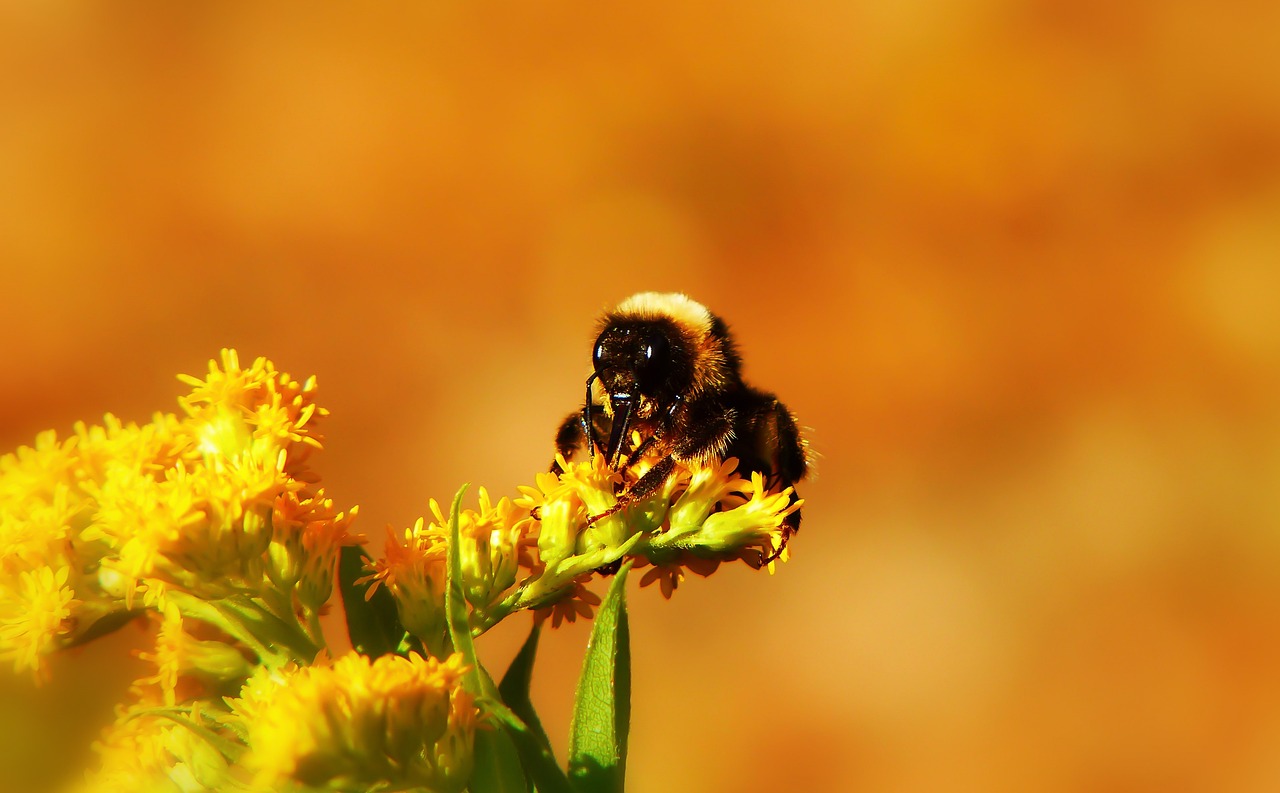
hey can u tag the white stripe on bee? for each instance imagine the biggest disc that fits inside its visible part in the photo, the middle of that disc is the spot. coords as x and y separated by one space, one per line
681 308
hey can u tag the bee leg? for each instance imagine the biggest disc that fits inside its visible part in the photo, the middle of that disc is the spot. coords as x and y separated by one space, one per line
793 463
790 525
611 568
640 450
644 486
655 436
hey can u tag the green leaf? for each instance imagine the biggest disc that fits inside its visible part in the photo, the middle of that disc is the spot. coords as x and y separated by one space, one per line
373 625
514 687
108 623
535 754
497 764
602 707
539 762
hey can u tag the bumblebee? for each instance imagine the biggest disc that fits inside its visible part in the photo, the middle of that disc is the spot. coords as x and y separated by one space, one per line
666 370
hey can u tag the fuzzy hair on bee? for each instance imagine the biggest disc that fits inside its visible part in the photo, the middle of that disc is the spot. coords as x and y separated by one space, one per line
666 370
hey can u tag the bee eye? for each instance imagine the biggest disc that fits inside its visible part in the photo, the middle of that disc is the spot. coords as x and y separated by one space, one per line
597 356
652 356
655 347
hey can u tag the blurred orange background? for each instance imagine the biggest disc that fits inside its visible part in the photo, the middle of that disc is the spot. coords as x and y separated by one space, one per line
1014 264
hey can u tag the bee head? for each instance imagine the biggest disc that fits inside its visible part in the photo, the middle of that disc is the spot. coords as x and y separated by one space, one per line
636 359
654 352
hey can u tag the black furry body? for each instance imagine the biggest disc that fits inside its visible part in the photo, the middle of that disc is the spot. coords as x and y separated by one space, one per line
676 379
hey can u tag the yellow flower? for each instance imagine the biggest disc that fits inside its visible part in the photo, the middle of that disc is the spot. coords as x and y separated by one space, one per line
191 505
490 539
37 533
267 403
394 722
560 514
708 485
38 505
32 473
703 515
414 565
34 614
51 592
187 667
148 753
753 532
567 546
307 536
175 505
414 570
145 522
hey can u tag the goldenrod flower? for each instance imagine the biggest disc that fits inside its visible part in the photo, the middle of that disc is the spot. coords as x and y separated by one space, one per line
558 509
181 505
212 523
568 548
33 473
34 614
203 521
668 575
38 506
491 539
413 568
188 667
260 405
40 511
493 545
395 722
752 532
702 515
308 534
148 753
706 487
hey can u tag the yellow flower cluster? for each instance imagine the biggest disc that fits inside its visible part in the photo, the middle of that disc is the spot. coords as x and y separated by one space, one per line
212 525
703 515
493 543
396 722
217 503
151 753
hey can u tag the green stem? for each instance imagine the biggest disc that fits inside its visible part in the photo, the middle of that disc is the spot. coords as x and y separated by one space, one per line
279 603
269 629
314 630
548 584
228 748
536 592
195 608
496 614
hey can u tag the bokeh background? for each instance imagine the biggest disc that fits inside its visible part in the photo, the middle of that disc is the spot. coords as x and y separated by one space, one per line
1015 264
